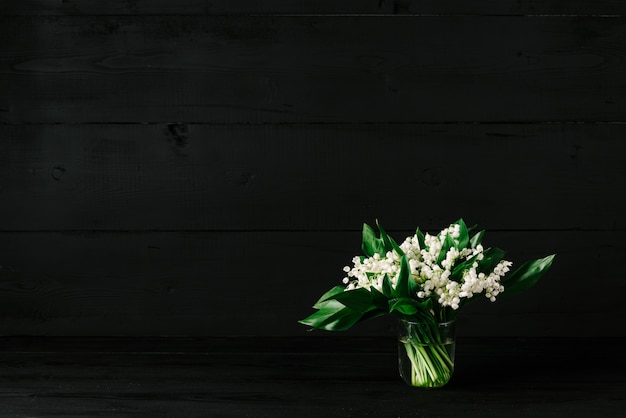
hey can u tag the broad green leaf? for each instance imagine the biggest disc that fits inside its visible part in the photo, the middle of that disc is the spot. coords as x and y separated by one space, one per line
389 242
359 300
383 236
333 320
491 258
373 314
370 244
412 310
420 239
457 271
388 289
405 306
402 286
447 244
526 275
463 235
334 316
379 299
477 239
342 320
328 295
425 311
324 311
413 286
396 247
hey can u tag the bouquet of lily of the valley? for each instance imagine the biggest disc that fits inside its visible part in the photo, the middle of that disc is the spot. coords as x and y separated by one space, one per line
424 281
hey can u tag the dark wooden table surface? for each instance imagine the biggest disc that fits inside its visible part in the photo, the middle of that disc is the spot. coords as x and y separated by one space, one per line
317 376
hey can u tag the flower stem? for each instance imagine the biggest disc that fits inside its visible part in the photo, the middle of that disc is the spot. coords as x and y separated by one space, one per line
425 358
430 365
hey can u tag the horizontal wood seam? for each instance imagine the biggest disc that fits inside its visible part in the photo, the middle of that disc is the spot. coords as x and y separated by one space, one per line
378 15
291 230
313 123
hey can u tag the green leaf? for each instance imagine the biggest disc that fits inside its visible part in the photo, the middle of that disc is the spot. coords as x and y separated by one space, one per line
370 244
447 244
420 239
526 275
379 299
324 311
412 310
405 306
457 271
402 286
463 235
413 286
372 314
425 311
389 242
388 289
477 239
383 236
339 310
333 317
491 258
359 300
328 295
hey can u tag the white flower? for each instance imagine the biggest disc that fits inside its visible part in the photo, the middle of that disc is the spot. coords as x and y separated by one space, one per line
433 278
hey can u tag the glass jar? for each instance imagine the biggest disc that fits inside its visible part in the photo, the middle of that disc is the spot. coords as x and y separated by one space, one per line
426 352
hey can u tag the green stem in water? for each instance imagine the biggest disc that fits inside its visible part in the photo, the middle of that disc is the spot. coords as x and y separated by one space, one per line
430 365
426 358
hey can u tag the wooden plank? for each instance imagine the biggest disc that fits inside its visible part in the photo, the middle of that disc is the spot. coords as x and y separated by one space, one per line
260 283
493 378
311 177
308 344
209 7
321 69
544 377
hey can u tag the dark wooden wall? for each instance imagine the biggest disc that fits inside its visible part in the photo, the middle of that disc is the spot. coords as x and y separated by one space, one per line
203 168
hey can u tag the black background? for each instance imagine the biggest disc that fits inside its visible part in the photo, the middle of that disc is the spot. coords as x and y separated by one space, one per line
203 168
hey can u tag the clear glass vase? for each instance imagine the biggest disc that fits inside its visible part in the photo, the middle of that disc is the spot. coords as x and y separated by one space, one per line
426 353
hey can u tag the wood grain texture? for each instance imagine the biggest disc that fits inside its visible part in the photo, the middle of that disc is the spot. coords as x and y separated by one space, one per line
320 177
201 168
544 378
315 69
307 7
261 283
